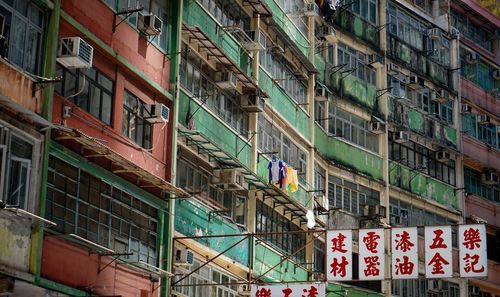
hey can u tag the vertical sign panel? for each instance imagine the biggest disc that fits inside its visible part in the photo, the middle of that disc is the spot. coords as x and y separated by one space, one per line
339 255
315 290
438 256
472 245
404 247
371 254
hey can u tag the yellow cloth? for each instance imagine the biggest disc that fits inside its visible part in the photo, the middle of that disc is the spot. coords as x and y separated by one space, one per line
292 182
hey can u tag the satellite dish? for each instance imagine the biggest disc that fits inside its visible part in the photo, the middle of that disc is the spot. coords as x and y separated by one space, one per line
311 222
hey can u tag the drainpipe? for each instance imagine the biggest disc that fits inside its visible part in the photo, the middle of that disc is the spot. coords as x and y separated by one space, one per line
167 227
49 70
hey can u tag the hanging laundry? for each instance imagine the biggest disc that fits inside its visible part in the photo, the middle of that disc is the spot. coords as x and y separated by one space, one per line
292 179
276 172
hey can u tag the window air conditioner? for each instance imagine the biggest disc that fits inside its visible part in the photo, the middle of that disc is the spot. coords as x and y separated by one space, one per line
401 137
443 156
252 103
231 180
328 33
244 290
495 74
415 82
159 113
377 127
74 52
321 94
226 80
183 257
433 33
311 10
149 24
392 69
466 108
376 61
454 32
490 178
256 41
483 119
440 96
374 210
473 58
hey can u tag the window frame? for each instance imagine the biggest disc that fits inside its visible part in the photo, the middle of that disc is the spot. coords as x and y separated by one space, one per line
137 116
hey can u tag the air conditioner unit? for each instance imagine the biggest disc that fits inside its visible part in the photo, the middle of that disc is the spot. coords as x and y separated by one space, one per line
183 257
329 34
440 96
226 80
434 33
466 108
376 61
454 32
244 290
496 74
321 94
74 52
311 10
377 127
401 137
256 41
322 202
483 119
443 156
415 82
252 103
490 178
374 211
230 179
149 24
392 69
159 113
472 58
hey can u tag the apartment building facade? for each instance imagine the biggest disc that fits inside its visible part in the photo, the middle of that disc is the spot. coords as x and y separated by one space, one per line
154 170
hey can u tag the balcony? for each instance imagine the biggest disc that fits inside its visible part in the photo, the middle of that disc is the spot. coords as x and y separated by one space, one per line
352 88
346 155
418 62
479 96
478 154
354 24
423 185
266 258
19 87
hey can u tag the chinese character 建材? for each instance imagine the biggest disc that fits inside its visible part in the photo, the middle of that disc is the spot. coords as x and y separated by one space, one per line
437 261
339 268
371 266
438 241
404 244
338 243
472 238
404 267
371 241
471 262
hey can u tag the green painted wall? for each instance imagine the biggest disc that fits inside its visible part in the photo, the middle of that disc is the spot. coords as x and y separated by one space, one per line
192 219
450 134
348 155
213 128
265 258
359 91
196 15
334 290
284 105
422 185
416 121
356 25
282 19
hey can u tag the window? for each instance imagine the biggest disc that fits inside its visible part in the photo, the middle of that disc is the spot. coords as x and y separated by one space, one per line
24 27
480 73
352 128
319 256
206 275
196 77
474 185
319 179
88 206
227 15
486 133
134 125
422 287
349 196
366 9
475 33
397 86
16 167
420 158
355 63
94 89
406 28
320 113
268 220
271 139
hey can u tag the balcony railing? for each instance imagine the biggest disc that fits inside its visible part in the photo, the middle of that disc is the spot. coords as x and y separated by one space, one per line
354 24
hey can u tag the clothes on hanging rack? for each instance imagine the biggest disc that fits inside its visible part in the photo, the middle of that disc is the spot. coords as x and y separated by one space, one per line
277 172
292 181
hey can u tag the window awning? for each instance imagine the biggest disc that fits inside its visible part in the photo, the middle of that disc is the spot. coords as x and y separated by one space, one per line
226 160
203 41
121 164
24 112
259 7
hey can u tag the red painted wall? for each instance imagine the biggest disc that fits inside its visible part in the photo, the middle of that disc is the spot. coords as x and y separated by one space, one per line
73 266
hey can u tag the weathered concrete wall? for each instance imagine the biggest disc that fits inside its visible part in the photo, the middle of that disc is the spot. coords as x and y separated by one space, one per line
18 87
15 241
